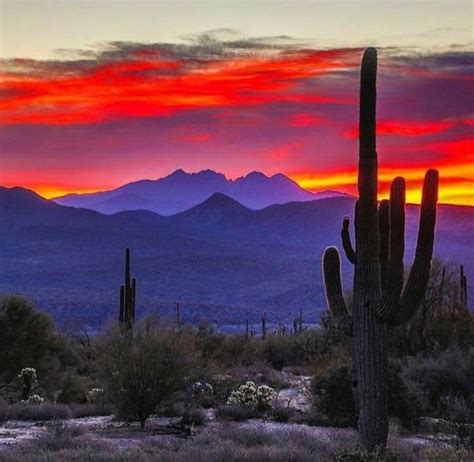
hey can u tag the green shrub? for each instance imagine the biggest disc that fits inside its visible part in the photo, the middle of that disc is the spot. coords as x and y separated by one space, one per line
28 339
283 413
73 390
144 366
331 394
194 417
238 413
431 379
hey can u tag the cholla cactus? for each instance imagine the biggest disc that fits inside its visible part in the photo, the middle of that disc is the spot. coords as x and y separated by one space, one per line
95 394
249 394
202 388
35 399
265 394
27 378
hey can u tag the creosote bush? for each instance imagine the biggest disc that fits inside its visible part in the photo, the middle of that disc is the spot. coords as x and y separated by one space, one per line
143 366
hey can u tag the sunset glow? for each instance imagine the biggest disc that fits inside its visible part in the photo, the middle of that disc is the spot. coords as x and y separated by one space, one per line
92 119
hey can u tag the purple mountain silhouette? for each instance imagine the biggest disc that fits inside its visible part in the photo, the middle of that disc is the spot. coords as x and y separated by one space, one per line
181 191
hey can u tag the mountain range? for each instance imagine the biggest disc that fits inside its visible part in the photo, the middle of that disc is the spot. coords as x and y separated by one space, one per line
222 261
180 191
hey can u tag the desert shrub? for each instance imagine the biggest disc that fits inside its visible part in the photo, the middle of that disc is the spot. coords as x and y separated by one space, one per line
28 339
262 373
331 394
429 379
34 412
223 385
402 404
238 413
282 350
90 409
283 413
73 390
144 366
312 417
456 408
194 417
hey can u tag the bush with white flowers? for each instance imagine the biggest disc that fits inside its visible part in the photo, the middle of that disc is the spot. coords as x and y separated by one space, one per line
202 388
249 394
35 399
28 373
94 395
27 379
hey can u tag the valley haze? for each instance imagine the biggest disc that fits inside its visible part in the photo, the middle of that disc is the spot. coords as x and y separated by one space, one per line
224 262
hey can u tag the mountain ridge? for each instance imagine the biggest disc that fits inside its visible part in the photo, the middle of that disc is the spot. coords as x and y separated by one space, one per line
180 191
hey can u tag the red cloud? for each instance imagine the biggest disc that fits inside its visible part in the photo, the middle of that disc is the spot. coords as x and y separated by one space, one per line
405 128
304 120
148 84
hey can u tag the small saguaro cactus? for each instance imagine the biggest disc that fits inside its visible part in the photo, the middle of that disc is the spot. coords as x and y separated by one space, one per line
462 287
127 296
178 315
380 301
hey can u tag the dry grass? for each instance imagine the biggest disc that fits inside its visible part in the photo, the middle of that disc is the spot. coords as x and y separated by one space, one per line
35 412
226 442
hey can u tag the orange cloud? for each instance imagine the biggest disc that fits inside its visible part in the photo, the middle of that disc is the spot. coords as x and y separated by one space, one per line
456 182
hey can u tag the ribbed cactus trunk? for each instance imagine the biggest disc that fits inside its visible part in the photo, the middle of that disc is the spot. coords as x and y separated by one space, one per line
370 344
378 277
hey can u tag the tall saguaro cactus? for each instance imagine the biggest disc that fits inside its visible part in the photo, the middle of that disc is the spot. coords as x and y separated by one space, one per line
380 301
127 295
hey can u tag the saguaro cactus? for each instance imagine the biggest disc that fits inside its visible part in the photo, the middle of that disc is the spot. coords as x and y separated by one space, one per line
462 287
127 295
380 300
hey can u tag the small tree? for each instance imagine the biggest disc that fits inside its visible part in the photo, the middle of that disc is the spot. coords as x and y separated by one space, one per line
28 339
142 367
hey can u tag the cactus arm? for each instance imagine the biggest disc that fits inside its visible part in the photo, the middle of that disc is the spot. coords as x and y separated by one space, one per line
346 241
333 286
384 225
394 277
420 271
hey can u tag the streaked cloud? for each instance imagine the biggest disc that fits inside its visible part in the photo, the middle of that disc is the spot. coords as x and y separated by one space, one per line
122 111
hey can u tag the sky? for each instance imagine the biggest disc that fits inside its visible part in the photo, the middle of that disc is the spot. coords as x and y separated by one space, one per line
95 94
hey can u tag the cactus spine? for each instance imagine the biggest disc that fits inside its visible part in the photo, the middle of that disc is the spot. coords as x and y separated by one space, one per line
380 300
127 296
